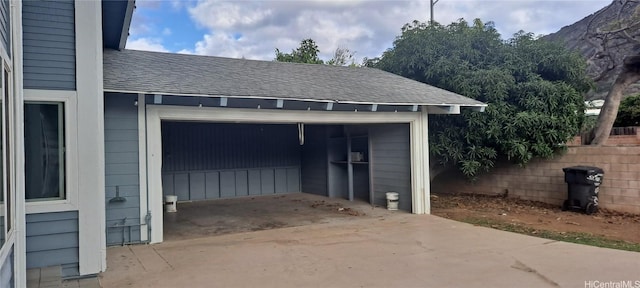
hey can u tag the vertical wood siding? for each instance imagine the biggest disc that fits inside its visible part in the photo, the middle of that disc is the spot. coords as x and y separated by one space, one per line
121 167
49 44
220 160
391 163
314 160
217 184
189 146
52 239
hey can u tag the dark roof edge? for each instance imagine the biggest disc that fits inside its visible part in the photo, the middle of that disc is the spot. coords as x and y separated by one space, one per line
480 104
131 5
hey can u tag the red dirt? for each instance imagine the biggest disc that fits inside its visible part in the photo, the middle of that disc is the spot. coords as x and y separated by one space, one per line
537 215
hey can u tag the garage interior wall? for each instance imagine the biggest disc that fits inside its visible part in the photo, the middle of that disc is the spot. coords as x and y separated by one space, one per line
314 163
226 160
391 163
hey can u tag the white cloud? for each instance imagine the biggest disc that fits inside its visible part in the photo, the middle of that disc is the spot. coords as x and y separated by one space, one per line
147 44
215 14
253 29
166 31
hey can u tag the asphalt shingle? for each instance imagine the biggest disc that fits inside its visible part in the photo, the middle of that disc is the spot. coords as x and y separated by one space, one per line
179 74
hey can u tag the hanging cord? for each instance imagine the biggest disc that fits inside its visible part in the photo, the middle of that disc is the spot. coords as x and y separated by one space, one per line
301 133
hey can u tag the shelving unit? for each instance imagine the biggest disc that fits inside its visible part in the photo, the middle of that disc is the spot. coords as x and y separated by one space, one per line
349 179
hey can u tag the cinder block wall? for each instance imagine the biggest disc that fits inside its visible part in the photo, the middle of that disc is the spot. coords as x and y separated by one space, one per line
614 140
543 180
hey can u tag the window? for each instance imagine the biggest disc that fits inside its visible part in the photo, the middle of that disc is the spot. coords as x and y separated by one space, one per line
44 151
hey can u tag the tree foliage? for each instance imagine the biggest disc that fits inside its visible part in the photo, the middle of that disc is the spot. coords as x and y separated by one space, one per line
533 88
342 57
629 112
306 53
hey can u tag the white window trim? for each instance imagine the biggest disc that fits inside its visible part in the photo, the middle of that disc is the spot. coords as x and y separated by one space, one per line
142 165
6 129
69 100
9 129
420 183
19 235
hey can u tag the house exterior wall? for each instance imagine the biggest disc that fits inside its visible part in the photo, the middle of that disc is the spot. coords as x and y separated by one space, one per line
52 239
49 44
543 180
61 70
390 162
121 168
50 64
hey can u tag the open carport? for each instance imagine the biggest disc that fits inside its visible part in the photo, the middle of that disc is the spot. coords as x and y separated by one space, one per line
206 128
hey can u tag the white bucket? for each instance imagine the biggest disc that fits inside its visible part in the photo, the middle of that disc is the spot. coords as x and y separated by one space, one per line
392 201
170 202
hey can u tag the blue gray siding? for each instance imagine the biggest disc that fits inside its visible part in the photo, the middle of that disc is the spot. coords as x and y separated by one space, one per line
391 163
219 160
52 239
49 44
314 160
121 167
5 25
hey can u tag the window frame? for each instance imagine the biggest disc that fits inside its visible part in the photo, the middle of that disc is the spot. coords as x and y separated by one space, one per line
68 99
62 156
8 173
7 129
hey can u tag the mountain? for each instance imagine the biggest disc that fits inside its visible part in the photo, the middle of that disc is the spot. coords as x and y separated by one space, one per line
573 37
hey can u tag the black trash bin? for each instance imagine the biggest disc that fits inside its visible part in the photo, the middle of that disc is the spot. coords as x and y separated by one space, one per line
583 187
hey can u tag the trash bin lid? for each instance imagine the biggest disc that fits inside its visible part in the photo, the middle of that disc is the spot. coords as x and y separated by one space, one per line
585 169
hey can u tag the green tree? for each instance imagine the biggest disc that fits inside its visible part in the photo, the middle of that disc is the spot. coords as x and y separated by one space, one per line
533 88
629 112
306 53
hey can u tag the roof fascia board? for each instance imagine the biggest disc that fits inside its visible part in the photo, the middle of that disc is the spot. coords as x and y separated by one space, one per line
449 109
131 5
480 104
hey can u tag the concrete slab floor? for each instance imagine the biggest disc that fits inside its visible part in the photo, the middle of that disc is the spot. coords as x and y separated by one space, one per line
396 250
50 277
218 217
44 277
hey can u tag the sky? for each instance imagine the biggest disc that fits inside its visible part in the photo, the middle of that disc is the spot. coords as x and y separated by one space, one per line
254 29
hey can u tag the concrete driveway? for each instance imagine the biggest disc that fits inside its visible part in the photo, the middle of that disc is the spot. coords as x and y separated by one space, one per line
400 250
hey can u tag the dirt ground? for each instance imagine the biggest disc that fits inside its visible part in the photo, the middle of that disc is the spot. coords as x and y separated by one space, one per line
226 216
537 215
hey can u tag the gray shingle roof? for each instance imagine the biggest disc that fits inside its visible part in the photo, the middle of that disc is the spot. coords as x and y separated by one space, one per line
179 74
